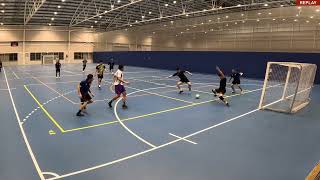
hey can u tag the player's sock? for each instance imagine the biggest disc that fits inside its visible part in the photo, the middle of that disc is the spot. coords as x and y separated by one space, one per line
79 113
110 103
124 106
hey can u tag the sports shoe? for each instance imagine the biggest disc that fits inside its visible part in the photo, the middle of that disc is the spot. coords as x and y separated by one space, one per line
124 106
233 92
80 114
227 104
110 104
214 92
180 92
99 86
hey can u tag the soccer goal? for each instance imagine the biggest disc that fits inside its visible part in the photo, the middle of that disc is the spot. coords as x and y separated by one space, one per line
287 86
48 59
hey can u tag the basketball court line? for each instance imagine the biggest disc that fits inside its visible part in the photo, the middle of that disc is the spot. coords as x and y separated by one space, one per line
33 158
45 111
154 148
141 116
192 142
168 110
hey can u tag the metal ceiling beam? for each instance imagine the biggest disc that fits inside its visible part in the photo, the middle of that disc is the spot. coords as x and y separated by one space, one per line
79 19
200 12
31 8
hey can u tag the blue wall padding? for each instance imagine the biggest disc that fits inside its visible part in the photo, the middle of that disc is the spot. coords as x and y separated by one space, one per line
253 64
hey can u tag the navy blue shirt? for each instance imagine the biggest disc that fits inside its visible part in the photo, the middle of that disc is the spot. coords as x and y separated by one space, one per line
181 75
84 87
58 65
223 83
236 76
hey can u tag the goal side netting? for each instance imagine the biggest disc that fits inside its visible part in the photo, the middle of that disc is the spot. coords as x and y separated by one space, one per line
287 86
48 59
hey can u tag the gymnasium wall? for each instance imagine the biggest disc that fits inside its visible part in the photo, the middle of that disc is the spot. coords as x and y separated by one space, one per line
45 39
253 64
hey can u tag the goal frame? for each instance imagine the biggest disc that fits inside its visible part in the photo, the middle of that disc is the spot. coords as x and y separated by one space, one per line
47 56
290 65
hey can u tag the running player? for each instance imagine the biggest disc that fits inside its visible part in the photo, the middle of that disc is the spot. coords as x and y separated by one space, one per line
85 94
84 64
222 89
58 68
111 65
119 87
236 80
183 79
100 71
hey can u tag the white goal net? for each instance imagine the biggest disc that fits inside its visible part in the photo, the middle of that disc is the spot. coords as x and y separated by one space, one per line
287 86
48 59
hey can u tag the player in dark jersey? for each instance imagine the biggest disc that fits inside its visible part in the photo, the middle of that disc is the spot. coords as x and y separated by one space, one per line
0 65
236 80
58 68
85 94
222 88
183 79
84 64
111 65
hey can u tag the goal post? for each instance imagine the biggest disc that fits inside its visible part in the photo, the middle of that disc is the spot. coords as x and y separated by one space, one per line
48 59
287 86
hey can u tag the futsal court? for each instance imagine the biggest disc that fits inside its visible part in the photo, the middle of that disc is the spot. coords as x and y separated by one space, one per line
162 135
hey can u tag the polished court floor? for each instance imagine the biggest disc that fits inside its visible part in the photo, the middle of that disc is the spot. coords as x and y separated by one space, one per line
161 136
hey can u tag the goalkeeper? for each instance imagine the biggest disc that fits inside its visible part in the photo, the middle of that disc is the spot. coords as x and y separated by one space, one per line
236 80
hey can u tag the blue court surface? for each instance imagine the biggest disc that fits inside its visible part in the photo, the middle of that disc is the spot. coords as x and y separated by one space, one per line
161 136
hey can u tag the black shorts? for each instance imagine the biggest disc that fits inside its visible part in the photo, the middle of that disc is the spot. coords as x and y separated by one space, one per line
221 91
100 76
184 80
86 98
236 82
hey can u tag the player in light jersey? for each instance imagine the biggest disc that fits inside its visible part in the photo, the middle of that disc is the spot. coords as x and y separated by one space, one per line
119 87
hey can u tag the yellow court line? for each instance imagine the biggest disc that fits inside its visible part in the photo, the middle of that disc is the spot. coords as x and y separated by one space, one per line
155 113
44 110
314 173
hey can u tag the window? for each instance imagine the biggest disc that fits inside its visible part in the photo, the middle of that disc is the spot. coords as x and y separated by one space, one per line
82 55
78 56
38 56
13 57
35 56
9 57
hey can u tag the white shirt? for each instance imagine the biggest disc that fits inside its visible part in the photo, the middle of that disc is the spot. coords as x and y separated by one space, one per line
119 75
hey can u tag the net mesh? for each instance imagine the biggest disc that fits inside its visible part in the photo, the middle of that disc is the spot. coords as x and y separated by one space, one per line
48 59
287 86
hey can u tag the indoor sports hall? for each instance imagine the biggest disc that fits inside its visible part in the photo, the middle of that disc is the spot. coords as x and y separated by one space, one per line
159 89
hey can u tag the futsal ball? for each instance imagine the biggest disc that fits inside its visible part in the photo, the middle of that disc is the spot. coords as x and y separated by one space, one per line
197 96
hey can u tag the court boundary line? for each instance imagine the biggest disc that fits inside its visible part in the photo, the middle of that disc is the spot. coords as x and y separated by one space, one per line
44 110
153 149
164 111
33 158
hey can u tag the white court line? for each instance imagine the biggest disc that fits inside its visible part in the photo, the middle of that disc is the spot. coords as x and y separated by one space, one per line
15 74
70 72
34 160
150 150
7 89
157 147
55 91
184 139
124 126
51 174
